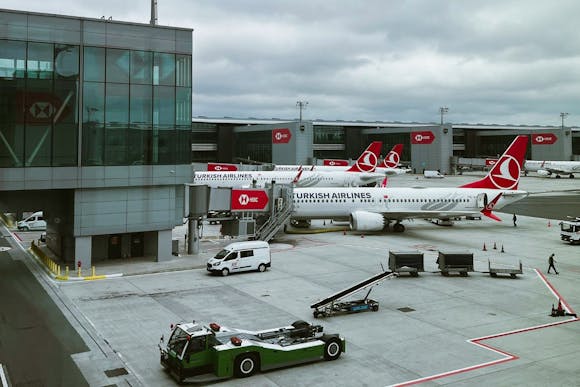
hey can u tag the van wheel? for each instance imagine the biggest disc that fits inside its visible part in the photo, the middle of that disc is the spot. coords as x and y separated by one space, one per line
225 272
262 268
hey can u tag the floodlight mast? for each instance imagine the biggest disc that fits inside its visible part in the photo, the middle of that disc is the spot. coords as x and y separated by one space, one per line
153 20
443 110
563 115
301 105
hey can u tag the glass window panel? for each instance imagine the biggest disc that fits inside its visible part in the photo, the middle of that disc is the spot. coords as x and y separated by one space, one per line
164 106
164 69
64 140
117 65
183 107
116 144
41 108
40 60
117 103
94 32
164 140
66 62
142 67
183 70
183 41
12 106
141 105
140 144
54 29
13 25
183 144
94 102
12 59
94 64
93 143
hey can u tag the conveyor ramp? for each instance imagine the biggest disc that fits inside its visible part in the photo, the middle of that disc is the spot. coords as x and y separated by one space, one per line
374 280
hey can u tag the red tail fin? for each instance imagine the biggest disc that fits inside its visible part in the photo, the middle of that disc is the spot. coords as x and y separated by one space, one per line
487 210
393 158
368 160
505 174
298 175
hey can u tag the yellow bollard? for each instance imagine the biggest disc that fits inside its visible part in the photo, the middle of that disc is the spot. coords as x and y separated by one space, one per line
58 270
79 272
93 271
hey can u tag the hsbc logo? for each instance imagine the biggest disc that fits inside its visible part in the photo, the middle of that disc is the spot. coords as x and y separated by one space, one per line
544 139
41 110
424 137
331 163
245 200
281 136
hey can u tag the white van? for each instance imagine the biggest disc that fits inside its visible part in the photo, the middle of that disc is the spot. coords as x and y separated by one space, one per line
433 174
241 256
33 222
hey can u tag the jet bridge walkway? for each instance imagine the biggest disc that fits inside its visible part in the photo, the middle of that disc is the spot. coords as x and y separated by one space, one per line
332 305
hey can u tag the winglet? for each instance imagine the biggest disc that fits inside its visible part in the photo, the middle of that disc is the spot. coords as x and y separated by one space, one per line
393 158
368 160
487 210
505 173
297 176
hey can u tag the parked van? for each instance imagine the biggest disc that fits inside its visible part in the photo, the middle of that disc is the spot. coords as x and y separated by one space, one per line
241 256
433 174
33 222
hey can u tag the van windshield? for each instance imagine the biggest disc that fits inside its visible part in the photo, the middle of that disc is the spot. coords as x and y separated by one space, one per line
222 254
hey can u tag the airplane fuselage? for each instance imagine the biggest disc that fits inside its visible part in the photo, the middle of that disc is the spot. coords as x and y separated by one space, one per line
396 203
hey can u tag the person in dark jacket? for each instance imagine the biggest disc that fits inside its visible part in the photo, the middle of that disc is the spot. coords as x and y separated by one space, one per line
551 261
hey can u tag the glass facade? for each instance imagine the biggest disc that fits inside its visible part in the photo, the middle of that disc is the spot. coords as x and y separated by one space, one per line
130 106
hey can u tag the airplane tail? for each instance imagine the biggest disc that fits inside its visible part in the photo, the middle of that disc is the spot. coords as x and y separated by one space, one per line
368 160
393 158
505 173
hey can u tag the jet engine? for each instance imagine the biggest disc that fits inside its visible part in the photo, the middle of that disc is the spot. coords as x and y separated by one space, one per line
366 221
543 172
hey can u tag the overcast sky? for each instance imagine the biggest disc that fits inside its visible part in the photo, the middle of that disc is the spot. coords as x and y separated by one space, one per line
501 62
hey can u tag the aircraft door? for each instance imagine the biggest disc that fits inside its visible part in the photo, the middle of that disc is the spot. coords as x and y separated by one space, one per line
481 200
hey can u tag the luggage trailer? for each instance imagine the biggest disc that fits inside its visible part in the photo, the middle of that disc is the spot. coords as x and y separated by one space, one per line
333 305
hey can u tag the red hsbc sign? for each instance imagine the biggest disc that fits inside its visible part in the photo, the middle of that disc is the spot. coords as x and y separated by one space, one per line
490 162
424 137
544 138
281 136
249 199
219 167
335 163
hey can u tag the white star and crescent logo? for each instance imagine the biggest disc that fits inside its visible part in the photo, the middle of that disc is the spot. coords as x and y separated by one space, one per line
509 173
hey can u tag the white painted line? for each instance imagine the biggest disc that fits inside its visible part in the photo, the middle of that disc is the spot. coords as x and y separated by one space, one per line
3 376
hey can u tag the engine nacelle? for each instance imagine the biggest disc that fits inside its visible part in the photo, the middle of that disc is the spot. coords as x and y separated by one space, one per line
366 221
543 172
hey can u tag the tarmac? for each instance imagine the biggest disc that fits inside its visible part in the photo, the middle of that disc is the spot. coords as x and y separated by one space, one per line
429 330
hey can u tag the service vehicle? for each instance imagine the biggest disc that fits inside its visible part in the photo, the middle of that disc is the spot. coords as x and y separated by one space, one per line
241 256
33 222
570 230
194 349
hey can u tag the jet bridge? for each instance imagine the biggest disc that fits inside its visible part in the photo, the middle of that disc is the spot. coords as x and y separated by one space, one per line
332 305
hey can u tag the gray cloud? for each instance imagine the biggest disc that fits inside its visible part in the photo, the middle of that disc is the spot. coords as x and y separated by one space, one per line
505 62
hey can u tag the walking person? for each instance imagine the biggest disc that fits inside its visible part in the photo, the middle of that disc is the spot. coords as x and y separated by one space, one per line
551 261
515 218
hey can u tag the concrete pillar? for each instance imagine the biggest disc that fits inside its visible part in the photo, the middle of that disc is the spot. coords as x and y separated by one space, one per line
164 245
83 252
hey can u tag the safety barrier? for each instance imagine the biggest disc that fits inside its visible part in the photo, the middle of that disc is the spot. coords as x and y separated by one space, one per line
56 270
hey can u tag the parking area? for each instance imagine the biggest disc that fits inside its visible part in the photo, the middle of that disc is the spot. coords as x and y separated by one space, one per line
445 330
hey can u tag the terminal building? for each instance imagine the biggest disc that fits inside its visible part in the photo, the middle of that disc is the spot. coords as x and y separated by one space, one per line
426 145
95 130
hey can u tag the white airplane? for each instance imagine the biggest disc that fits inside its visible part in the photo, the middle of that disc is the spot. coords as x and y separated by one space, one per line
373 209
366 162
300 178
548 168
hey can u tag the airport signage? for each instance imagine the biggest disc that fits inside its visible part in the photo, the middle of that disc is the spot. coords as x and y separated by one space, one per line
281 136
490 162
219 167
544 139
335 163
249 200
423 137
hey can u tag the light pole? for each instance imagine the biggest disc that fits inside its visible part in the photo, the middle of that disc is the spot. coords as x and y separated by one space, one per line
301 105
443 110
563 115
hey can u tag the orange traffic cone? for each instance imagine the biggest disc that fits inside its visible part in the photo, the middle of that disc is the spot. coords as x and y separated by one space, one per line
549 224
484 248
